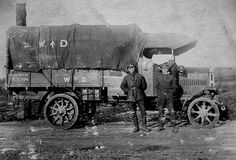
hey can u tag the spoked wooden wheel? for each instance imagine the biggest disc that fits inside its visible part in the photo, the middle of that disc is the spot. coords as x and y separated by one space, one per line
61 111
203 113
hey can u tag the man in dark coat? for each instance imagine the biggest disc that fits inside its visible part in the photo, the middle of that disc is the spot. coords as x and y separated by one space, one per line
166 85
134 85
178 92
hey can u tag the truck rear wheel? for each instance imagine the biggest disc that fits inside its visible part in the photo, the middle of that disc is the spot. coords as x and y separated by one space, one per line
62 111
203 113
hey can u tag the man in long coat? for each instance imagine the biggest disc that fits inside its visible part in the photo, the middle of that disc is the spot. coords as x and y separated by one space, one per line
134 85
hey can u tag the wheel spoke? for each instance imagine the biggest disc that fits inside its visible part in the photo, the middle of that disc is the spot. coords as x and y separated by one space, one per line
212 114
67 102
70 116
56 104
70 107
204 104
202 120
208 119
56 119
53 114
54 107
193 111
209 108
71 112
60 121
197 117
54 111
60 101
66 119
199 108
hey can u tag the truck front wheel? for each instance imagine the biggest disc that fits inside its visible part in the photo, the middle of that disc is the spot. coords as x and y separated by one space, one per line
62 111
203 113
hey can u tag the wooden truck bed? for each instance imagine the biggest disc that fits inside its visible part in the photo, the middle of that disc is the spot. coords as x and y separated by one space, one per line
18 80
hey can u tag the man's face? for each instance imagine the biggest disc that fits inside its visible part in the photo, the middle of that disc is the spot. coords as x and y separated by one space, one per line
165 71
131 70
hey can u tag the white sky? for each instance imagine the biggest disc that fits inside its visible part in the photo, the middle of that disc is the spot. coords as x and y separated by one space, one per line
211 23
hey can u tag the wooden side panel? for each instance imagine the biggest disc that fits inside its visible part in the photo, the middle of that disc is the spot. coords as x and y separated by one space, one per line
18 79
57 78
97 78
88 78
62 78
40 79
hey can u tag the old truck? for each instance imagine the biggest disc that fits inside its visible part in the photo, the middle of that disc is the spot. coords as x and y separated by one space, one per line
70 68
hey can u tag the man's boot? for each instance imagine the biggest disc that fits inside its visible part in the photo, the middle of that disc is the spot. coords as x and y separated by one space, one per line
174 128
161 122
160 128
144 127
136 127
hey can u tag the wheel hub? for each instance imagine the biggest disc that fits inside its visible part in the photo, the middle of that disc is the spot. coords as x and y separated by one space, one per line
203 112
62 110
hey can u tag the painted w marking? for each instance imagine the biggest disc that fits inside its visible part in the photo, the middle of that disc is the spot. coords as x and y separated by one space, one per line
67 79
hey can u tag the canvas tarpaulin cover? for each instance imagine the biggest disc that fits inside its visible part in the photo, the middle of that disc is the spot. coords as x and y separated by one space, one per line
73 46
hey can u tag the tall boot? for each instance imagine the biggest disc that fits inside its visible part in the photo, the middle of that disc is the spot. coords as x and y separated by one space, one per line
144 126
172 120
135 120
161 124
174 128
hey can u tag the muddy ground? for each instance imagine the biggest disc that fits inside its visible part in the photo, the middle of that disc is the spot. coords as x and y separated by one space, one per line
114 140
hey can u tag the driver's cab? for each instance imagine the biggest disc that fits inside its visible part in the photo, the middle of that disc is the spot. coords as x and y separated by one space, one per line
160 55
150 62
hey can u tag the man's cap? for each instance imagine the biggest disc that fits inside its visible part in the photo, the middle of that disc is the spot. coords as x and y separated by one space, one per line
130 66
